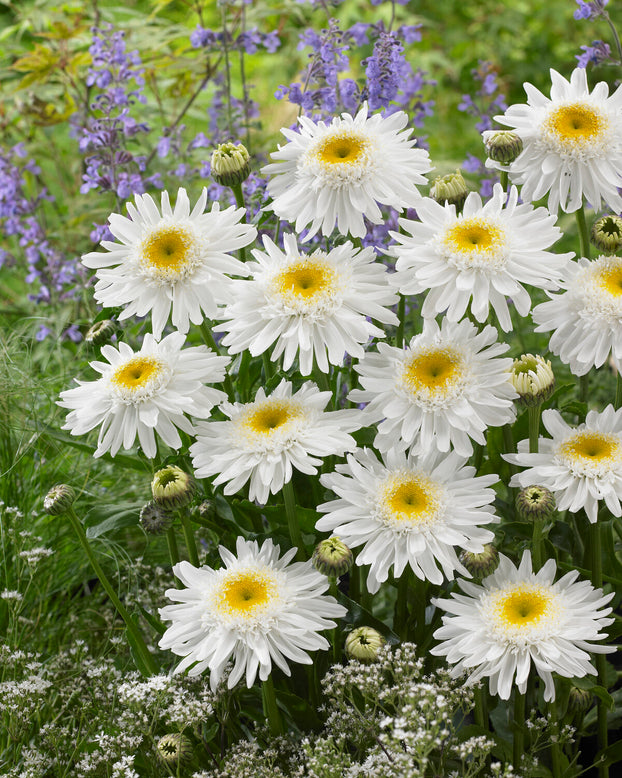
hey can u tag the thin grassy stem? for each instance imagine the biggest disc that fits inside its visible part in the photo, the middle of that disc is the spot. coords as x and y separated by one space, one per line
289 498
271 709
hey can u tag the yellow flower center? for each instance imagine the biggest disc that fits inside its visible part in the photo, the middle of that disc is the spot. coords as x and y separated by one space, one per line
575 124
305 279
591 447
167 248
271 416
343 147
245 592
433 370
611 279
473 236
524 605
408 500
137 372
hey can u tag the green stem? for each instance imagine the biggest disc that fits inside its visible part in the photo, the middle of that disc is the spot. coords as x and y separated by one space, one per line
518 742
335 631
584 238
536 545
289 498
206 332
268 366
481 712
239 199
597 581
270 707
171 542
618 390
401 315
191 546
556 763
138 641
584 387
534 427
401 605
504 179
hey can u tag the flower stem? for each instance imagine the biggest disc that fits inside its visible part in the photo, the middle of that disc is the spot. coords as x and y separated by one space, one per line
555 749
191 546
289 498
536 545
208 338
618 400
597 581
503 177
270 707
534 427
584 238
480 712
149 664
401 605
239 199
518 742
401 315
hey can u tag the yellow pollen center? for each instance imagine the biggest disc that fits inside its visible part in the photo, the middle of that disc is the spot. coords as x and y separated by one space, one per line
305 279
591 446
575 123
473 236
246 592
342 149
432 370
524 606
167 249
409 499
611 280
270 416
136 372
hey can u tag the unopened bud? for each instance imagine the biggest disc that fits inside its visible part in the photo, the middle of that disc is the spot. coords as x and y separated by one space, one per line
606 234
502 145
364 643
230 164
175 748
100 333
580 699
483 564
172 488
450 189
332 557
155 519
535 503
532 377
59 499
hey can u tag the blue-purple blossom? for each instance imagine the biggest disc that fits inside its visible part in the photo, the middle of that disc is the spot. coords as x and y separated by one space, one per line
597 53
590 10
383 70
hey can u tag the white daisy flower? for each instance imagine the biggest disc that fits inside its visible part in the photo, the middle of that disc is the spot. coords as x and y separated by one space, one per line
475 259
310 304
587 316
264 440
257 610
338 173
143 392
580 465
444 389
170 263
409 511
517 617
572 143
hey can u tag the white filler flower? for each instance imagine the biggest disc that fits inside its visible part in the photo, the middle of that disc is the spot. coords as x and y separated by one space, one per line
443 390
144 392
475 259
313 305
257 610
264 440
580 465
409 511
572 143
338 173
170 263
517 617
587 316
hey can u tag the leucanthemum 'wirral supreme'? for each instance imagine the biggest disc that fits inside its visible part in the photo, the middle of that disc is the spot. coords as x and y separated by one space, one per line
572 143
580 465
143 392
409 511
517 617
310 304
264 440
338 173
481 255
257 610
443 390
175 260
587 316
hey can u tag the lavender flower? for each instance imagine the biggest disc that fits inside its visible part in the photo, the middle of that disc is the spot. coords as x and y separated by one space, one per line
597 53
590 10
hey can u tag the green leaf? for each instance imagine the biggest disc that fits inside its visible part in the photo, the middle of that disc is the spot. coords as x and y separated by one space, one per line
360 617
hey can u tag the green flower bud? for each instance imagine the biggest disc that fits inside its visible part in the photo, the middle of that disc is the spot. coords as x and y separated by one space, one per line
502 145
483 564
450 189
580 700
172 488
535 503
100 333
332 557
532 377
606 234
364 643
59 499
175 748
155 519
230 164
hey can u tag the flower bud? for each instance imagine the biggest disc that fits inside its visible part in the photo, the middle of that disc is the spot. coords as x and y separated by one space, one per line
175 748
502 145
172 488
532 377
332 557
580 700
58 500
535 503
606 234
483 564
100 333
155 519
364 643
450 189
230 164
